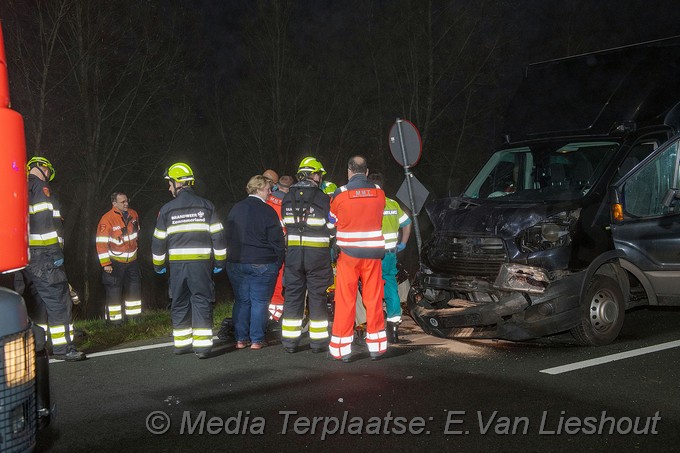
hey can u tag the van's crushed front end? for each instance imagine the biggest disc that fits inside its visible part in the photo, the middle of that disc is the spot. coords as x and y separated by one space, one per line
502 261
510 284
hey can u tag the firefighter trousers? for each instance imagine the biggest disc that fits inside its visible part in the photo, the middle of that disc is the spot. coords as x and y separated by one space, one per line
308 271
51 287
193 296
124 280
349 271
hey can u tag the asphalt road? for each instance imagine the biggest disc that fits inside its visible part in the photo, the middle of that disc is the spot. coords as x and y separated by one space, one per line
429 394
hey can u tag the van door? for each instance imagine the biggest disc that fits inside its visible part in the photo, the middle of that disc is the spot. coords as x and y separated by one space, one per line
649 234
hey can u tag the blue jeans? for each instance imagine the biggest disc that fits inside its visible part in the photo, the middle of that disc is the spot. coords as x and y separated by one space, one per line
253 286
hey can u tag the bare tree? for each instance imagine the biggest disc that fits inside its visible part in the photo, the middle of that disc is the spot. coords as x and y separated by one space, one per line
100 96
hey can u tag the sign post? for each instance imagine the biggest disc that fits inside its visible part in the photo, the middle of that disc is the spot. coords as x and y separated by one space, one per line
406 147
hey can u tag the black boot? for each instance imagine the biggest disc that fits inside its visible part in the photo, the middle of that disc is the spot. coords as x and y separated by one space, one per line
392 332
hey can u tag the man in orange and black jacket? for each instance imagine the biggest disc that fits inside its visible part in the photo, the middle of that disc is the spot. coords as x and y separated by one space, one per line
117 234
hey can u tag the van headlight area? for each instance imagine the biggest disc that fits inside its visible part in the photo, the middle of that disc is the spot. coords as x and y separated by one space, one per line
553 232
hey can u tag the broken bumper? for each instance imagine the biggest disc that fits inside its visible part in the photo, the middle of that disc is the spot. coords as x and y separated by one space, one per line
514 316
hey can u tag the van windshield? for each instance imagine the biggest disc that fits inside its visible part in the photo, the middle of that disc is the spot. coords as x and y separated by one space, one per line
542 172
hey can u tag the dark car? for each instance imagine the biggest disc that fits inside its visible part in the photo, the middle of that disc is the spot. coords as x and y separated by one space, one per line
564 227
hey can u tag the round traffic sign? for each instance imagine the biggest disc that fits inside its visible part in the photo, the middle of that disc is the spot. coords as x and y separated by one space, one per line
405 143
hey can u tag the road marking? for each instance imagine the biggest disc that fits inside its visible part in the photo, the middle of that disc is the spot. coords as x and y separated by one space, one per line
122 351
611 358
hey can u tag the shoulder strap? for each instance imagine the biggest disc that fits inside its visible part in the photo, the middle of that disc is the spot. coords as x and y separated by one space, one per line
302 200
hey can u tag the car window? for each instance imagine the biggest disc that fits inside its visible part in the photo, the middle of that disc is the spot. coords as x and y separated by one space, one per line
645 189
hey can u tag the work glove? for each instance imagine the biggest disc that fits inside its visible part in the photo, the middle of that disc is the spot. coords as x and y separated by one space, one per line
58 258
217 270
160 271
401 246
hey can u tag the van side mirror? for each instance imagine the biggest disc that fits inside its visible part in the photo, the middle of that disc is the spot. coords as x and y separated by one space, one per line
671 195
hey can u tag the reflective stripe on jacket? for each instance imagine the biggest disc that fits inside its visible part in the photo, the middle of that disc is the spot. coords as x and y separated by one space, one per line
393 219
117 238
358 212
44 216
188 230
305 212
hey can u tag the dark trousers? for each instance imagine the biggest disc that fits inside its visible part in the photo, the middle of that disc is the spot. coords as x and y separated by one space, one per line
193 294
46 288
308 271
123 291
35 306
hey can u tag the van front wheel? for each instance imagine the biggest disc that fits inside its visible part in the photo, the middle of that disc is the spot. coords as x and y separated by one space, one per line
602 312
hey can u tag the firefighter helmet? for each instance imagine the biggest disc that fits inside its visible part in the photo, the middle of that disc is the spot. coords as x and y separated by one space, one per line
37 160
180 172
310 165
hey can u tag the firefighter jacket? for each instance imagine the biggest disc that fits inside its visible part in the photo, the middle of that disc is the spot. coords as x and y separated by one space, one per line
394 218
305 210
117 237
45 222
357 210
188 230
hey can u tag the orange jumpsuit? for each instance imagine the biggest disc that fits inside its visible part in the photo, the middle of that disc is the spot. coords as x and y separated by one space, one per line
358 211
276 305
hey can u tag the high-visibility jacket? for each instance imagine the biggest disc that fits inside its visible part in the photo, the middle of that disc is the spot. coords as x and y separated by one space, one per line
328 187
45 222
117 237
393 218
274 200
188 230
357 209
305 214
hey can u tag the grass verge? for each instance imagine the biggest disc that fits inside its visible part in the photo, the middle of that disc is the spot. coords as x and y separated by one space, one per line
151 324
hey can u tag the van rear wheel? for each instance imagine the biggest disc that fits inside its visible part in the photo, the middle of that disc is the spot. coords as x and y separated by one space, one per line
602 313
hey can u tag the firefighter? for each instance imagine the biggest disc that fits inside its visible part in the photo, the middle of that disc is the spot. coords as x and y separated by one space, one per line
357 209
305 211
394 219
327 187
46 268
190 237
117 234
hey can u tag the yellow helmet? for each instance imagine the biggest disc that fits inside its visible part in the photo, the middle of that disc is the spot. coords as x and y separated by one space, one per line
37 160
180 172
310 165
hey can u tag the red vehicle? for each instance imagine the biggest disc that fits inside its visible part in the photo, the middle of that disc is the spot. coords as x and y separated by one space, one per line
24 373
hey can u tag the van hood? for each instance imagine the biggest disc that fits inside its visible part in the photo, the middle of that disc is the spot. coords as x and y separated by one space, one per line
462 216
